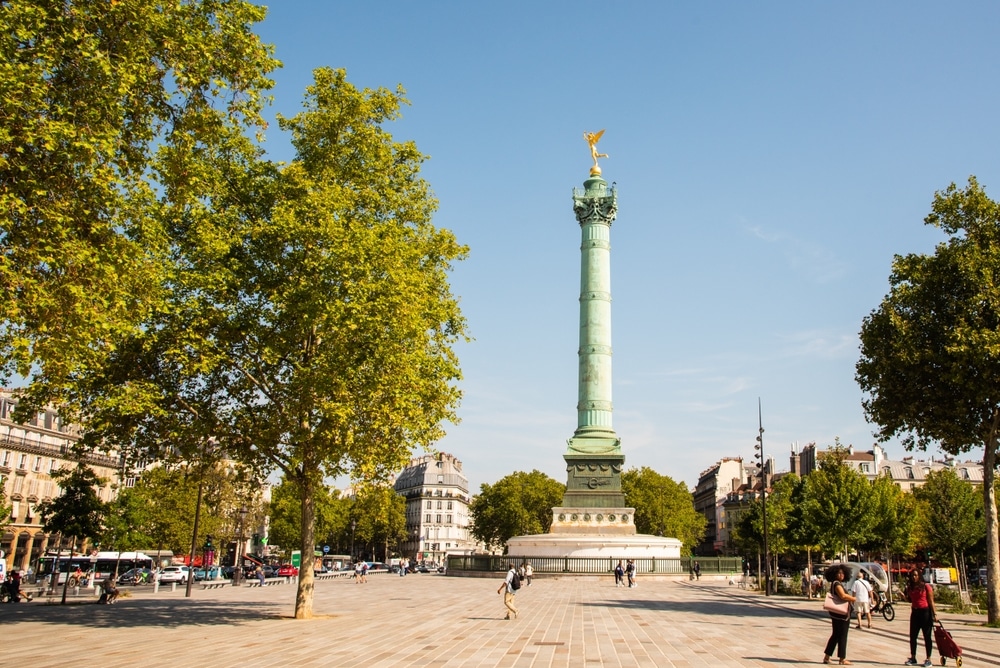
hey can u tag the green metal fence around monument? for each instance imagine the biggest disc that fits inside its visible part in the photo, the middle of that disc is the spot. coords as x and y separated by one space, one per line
480 565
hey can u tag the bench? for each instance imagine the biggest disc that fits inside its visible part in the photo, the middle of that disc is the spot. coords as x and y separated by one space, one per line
269 582
215 585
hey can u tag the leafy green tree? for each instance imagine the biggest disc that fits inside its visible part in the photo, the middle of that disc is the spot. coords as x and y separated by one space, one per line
840 499
106 107
331 510
77 512
158 512
929 352
325 317
519 504
308 325
896 515
951 517
379 514
663 507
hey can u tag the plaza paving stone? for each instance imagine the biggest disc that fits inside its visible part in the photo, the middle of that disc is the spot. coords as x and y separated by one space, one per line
434 620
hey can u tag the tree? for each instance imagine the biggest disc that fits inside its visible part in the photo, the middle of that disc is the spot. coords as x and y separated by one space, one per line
519 504
840 499
951 517
379 514
662 506
321 305
78 511
308 322
896 516
332 515
930 351
106 107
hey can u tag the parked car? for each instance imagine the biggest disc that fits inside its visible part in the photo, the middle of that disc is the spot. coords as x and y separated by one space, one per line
201 574
420 568
134 576
175 574
287 571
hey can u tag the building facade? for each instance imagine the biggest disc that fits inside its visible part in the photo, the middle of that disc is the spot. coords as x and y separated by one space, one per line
29 454
714 486
908 473
437 508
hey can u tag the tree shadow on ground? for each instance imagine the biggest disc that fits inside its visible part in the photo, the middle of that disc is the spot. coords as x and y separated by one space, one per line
728 608
139 613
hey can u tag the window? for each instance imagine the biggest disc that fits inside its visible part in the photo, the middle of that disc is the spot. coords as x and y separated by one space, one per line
439 505
6 458
428 505
886 470
440 479
22 461
428 518
449 503
439 519
449 519
52 465
909 473
38 464
965 474
865 468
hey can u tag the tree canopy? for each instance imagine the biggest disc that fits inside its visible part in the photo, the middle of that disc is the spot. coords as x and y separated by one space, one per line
78 511
951 518
839 498
663 507
106 106
931 350
519 504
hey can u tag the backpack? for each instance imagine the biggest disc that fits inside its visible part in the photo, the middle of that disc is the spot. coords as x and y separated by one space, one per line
515 581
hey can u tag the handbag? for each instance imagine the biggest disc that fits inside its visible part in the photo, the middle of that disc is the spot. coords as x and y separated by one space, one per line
836 606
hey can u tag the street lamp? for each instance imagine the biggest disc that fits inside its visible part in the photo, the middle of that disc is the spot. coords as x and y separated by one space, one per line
763 491
238 565
353 526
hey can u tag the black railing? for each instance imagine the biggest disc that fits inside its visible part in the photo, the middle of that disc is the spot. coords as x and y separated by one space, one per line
457 564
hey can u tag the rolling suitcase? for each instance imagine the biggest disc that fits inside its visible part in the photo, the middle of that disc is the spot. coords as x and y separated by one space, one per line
947 647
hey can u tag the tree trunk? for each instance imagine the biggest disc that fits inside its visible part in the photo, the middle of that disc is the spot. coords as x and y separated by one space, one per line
304 594
992 532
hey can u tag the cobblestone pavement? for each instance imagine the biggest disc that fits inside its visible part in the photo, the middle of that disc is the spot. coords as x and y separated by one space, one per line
433 620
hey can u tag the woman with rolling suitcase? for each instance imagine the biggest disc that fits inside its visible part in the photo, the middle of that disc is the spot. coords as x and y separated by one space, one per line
922 615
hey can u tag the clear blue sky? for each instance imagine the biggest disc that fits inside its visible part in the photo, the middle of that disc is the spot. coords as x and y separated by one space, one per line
770 158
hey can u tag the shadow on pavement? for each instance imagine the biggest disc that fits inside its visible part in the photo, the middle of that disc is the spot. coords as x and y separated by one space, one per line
733 608
140 613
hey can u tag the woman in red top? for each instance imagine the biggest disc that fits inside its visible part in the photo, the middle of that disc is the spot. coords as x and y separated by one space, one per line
922 615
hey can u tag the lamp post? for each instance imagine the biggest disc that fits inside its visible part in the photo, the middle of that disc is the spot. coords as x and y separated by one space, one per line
353 527
763 491
238 565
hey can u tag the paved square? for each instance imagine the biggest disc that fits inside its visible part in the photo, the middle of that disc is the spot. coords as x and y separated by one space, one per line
433 620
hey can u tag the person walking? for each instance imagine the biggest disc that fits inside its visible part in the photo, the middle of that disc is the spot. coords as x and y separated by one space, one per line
260 575
529 571
630 573
619 574
836 575
922 616
863 593
509 587
697 571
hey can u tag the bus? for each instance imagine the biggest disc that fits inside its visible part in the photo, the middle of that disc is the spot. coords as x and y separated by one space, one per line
99 566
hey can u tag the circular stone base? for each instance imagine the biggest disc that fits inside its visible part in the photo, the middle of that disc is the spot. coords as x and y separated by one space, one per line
635 546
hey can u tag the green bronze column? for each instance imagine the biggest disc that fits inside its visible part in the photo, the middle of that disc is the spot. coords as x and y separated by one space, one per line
593 455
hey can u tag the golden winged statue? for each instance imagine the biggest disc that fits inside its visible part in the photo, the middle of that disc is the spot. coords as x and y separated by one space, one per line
592 139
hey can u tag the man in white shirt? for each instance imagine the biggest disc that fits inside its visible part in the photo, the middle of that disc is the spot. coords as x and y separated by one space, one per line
862 590
508 588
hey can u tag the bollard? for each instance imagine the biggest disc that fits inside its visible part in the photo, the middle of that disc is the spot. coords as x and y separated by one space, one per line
156 586
173 586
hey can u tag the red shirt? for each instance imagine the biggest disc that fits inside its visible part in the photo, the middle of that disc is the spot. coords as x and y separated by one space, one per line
918 596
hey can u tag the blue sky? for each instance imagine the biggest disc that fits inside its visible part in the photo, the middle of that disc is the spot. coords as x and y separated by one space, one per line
771 158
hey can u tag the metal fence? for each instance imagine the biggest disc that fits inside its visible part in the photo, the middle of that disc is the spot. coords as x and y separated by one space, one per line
476 564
